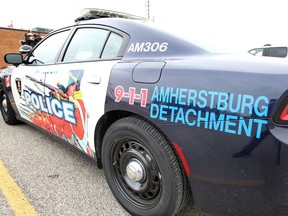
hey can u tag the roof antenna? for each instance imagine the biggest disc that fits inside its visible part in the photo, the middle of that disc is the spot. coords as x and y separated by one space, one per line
147 8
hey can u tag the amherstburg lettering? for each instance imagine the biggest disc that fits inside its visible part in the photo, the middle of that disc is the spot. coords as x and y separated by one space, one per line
219 111
62 109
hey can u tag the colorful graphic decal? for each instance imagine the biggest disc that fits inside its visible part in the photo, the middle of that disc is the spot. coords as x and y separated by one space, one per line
6 73
18 86
58 109
7 81
219 111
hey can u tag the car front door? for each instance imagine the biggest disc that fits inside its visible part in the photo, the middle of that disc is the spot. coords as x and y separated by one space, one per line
28 80
80 83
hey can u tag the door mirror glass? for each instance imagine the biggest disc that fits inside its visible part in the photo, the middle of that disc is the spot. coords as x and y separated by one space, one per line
13 58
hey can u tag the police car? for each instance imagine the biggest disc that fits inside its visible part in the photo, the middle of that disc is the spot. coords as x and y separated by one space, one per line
166 119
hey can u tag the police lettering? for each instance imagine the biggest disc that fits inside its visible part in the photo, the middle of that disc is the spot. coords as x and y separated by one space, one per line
60 108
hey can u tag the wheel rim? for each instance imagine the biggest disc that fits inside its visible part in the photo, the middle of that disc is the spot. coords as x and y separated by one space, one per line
4 104
136 174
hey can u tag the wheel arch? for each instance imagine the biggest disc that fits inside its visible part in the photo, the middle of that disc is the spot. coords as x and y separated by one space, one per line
102 125
111 117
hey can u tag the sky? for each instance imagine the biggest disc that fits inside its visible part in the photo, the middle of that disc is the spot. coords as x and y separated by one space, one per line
232 26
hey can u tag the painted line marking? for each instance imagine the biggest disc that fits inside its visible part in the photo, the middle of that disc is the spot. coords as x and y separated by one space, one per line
14 195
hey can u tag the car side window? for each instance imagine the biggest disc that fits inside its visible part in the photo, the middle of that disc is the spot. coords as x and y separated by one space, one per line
112 46
47 51
87 44
256 51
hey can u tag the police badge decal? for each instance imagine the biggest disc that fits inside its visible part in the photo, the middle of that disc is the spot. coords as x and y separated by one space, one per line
18 85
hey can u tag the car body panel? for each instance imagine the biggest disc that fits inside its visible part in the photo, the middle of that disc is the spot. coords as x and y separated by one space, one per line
209 132
217 111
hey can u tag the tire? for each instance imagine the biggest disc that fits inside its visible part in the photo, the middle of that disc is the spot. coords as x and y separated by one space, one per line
6 110
142 169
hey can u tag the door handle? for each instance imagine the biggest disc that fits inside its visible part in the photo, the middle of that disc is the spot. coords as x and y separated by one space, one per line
94 80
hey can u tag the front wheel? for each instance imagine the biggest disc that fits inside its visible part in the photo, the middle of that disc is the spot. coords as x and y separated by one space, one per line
6 110
142 169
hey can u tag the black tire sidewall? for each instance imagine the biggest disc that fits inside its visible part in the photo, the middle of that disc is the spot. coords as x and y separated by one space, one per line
120 130
3 113
9 116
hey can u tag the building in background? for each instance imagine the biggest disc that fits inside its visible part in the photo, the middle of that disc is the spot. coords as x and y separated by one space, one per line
10 38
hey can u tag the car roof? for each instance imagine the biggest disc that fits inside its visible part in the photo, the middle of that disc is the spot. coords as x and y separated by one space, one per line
123 24
147 31
141 31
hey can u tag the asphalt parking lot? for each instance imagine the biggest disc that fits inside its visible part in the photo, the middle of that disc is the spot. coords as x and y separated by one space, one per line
55 179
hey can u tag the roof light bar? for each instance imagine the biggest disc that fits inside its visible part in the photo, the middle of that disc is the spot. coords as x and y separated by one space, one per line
95 13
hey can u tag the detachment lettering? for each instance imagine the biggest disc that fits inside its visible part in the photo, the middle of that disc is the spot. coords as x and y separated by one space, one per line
218 111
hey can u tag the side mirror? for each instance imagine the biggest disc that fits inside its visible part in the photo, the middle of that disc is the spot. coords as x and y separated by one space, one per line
13 58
